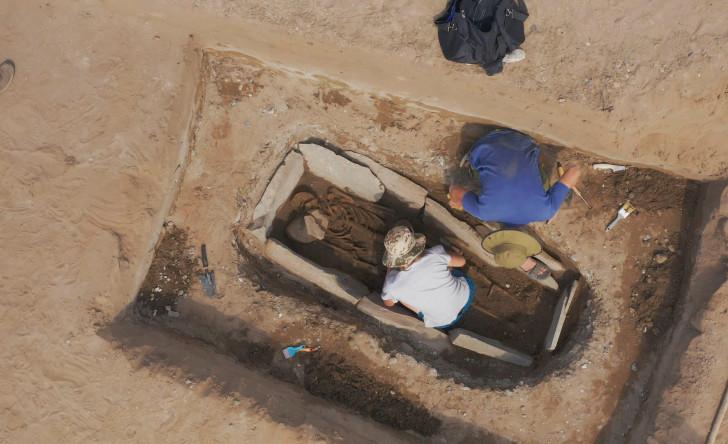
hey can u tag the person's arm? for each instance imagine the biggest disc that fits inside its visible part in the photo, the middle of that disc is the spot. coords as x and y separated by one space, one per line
556 196
456 261
462 199
455 196
558 193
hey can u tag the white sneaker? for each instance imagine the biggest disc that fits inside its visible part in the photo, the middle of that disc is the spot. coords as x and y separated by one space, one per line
514 56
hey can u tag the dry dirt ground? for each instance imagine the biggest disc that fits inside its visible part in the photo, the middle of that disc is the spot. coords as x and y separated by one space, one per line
116 107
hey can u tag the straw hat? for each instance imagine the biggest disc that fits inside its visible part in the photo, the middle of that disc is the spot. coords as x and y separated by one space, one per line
402 246
511 248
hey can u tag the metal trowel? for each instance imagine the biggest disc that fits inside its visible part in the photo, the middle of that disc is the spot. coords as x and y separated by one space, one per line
623 213
207 277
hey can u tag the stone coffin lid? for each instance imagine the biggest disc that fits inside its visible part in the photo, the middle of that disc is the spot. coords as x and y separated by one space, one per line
339 284
342 172
406 191
371 305
279 189
489 347
563 305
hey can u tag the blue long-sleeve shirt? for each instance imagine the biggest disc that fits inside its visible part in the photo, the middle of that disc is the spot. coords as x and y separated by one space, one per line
511 188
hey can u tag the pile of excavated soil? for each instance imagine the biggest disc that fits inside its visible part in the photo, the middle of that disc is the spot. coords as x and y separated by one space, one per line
170 275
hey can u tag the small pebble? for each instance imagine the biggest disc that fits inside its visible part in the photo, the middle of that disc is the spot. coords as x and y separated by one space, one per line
660 258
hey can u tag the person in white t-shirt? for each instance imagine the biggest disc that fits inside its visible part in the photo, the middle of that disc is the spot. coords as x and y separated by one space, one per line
426 281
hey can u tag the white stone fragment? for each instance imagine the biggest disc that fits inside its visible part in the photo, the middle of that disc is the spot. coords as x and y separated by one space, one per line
406 191
489 347
562 309
342 172
279 189
339 284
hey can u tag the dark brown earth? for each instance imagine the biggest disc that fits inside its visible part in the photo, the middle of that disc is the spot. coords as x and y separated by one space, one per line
170 276
324 374
331 377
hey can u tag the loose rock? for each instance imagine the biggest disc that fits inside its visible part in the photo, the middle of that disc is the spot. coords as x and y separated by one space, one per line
660 258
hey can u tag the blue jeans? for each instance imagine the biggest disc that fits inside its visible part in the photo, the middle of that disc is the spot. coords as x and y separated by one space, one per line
471 284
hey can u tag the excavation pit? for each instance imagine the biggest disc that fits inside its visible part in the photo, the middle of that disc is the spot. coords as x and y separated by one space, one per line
241 135
323 219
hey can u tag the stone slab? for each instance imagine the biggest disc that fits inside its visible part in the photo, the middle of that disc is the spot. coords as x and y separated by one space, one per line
406 191
372 306
550 261
562 309
489 347
279 189
339 284
342 172
549 282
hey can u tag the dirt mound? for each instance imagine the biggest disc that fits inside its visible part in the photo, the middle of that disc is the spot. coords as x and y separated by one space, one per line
170 276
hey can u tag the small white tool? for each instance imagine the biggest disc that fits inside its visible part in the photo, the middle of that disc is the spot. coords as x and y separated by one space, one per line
609 167
624 212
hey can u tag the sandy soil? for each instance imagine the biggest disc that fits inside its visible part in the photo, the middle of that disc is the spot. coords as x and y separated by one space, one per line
95 131
261 309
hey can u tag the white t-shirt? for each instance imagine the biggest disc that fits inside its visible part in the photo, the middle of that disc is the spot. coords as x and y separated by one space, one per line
428 286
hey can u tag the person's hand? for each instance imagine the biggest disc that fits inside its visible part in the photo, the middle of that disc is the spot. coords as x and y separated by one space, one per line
571 176
455 196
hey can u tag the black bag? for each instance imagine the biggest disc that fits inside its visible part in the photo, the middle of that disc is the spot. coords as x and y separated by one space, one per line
481 32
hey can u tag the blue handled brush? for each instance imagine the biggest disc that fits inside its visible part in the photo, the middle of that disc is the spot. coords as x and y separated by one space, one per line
293 350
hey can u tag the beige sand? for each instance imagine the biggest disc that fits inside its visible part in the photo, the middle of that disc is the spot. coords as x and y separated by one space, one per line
94 128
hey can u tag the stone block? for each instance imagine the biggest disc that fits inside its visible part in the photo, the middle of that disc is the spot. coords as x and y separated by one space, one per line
406 191
342 172
372 306
562 309
339 284
489 347
549 282
279 189
550 261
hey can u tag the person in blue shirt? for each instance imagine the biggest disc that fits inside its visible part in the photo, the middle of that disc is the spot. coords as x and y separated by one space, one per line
512 191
